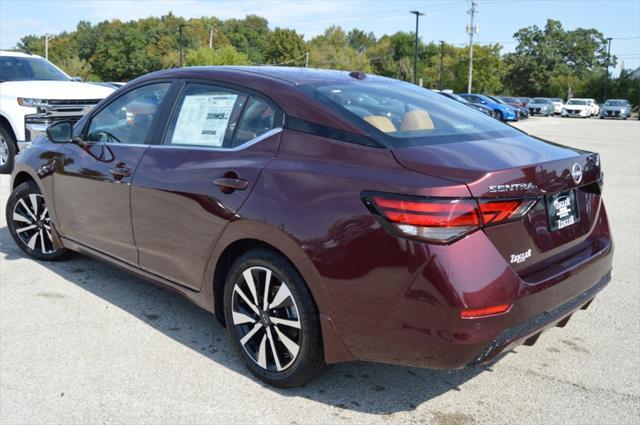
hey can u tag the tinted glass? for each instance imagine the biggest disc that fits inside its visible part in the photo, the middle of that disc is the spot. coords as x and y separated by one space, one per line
258 118
128 118
206 116
576 102
616 103
25 69
556 99
456 97
406 114
540 100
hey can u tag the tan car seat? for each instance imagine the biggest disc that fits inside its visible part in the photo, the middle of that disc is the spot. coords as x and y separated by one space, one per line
380 122
415 120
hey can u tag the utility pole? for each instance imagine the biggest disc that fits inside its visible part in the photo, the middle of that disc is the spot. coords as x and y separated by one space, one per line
471 29
606 77
47 37
441 65
181 47
306 60
415 48
211 32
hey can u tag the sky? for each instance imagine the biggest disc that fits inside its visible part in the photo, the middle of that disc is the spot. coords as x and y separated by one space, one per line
444 20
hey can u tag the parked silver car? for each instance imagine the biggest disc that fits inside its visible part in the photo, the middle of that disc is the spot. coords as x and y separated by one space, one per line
615 108
541 106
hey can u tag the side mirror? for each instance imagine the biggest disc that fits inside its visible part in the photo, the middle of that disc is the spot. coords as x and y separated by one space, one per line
79 79
60 132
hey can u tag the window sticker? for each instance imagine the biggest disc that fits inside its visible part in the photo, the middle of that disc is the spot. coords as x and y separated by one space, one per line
203 119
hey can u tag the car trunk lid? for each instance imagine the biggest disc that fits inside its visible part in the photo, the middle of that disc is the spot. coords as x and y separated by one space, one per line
522 167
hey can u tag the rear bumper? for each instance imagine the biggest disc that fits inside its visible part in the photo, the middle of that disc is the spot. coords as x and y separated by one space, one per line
417 322
527 332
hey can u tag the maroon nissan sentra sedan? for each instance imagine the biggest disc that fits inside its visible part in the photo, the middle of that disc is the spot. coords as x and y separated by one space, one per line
323 216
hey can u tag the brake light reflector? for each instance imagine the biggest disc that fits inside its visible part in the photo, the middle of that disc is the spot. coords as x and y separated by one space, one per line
474 313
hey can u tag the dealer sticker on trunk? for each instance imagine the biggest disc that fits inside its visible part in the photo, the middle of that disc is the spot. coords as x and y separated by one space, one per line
562 210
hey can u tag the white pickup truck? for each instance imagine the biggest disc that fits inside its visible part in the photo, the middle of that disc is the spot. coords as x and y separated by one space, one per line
33 94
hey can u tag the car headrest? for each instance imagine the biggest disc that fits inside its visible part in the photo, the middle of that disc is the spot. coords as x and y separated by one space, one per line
418 119
380 122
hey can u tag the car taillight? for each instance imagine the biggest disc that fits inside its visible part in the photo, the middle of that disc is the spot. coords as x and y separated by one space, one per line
497 211
441 220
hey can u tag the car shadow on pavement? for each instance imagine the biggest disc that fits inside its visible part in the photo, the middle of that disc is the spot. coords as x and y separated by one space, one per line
359 386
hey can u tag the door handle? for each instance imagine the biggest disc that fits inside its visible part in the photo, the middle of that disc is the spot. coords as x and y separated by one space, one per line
121 170
230 184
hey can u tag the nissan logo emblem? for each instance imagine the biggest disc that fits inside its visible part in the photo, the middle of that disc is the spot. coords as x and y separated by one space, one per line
576 173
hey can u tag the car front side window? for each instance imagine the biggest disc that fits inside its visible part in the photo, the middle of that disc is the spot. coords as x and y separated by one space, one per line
128 119
207 116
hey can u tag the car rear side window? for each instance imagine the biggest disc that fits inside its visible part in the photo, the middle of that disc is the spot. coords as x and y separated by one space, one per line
207 115
128 118
403 114
258 118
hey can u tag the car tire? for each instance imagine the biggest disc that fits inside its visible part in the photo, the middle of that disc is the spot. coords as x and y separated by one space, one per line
29 223
7 151
500 116
277 335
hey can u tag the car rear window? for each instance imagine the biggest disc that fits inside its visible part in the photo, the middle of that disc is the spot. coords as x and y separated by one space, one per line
403 114
541 100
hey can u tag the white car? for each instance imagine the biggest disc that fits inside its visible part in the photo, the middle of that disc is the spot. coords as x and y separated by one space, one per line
33 94
595 108
558 104
576 108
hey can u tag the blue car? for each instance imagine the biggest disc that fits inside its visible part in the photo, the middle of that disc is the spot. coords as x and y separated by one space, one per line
501 111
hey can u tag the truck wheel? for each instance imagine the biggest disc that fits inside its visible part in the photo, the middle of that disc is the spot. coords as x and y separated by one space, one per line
7 151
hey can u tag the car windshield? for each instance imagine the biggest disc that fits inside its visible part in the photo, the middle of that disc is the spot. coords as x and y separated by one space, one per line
576 102
556 99
541 100
498 100
509 99
404 114
615 103
14 68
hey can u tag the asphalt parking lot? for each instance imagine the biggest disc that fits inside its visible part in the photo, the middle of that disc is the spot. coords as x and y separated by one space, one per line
83 342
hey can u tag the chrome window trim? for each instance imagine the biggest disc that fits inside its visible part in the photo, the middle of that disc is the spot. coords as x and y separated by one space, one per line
243 146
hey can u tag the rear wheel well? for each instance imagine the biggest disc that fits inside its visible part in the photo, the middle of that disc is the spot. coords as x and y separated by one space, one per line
4 123
20 178
224 264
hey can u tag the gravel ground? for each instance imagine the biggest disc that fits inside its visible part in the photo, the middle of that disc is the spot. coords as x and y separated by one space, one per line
82 342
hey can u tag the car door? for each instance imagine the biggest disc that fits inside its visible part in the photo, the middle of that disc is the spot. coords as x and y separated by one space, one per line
92 181
189 187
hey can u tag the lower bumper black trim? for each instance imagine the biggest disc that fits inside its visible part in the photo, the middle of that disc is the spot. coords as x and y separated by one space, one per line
523 329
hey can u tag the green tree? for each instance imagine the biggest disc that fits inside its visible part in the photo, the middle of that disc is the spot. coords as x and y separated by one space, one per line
545 55
248 35
226 55
284 47
76 67
332 50
361 41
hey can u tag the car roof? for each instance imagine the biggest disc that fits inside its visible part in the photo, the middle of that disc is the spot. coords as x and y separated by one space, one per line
291 75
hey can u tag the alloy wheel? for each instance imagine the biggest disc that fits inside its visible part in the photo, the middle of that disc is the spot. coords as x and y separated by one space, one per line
4 151
32 223
266 319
